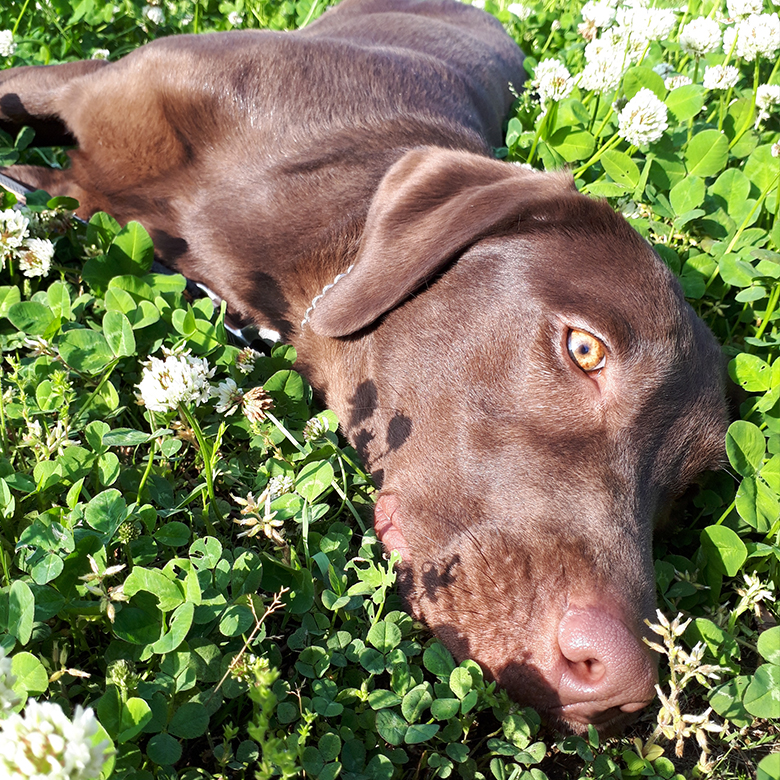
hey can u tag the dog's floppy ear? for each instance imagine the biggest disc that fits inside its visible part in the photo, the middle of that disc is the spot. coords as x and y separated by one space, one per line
432 204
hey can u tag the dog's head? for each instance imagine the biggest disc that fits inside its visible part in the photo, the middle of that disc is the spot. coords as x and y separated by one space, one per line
537 390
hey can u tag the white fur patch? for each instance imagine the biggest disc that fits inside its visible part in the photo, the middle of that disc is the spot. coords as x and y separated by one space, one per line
317 298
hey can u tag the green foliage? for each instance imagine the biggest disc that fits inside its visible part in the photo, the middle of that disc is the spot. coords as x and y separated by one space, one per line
207 583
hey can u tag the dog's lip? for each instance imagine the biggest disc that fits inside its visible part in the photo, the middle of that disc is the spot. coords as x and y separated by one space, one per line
577 713
388 524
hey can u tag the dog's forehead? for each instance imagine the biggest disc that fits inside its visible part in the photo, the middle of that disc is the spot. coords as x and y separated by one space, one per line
616 288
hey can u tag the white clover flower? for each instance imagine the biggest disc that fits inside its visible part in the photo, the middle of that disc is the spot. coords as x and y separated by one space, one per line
758 35
13 229
767 97
229 396
720 77
522 12
646 24
478 3
7 44
700 36
599 14
775 149
315 429
246 359
8 699
46 744
100 54
603 69
739 8
280 485
643 120
552 81
154 14
235 19
673 82
178 379
35 257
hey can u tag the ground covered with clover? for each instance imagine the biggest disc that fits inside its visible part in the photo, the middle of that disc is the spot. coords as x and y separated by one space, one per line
191 587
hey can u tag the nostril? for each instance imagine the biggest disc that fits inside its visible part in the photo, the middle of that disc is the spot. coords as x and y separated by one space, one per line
605 666
589 671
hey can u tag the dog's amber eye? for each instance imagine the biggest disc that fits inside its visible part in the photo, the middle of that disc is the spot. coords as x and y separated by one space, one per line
586 350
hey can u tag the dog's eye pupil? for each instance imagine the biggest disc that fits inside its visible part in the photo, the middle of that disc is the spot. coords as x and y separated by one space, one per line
587 352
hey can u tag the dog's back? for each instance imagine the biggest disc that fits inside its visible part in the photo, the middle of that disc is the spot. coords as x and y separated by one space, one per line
271 120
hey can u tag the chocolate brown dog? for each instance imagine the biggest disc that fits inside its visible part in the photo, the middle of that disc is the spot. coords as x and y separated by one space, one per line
517 367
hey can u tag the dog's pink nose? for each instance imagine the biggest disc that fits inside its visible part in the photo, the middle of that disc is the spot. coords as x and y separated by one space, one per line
608 672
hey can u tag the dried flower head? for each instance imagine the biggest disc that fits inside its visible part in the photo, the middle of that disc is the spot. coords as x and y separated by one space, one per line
45 743
39 346
755 591
246 360
93 582
643 120
684 666
257 517
176 379
720 77
256 403
49 441
700 36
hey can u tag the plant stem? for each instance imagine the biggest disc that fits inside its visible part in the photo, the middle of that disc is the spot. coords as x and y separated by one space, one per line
103 379
309 15
743 226
150 460
539 131
770 310
614 141
3 432
19 18
749 121
205 453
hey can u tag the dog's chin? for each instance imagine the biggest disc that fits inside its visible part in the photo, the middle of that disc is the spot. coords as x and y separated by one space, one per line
609 723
